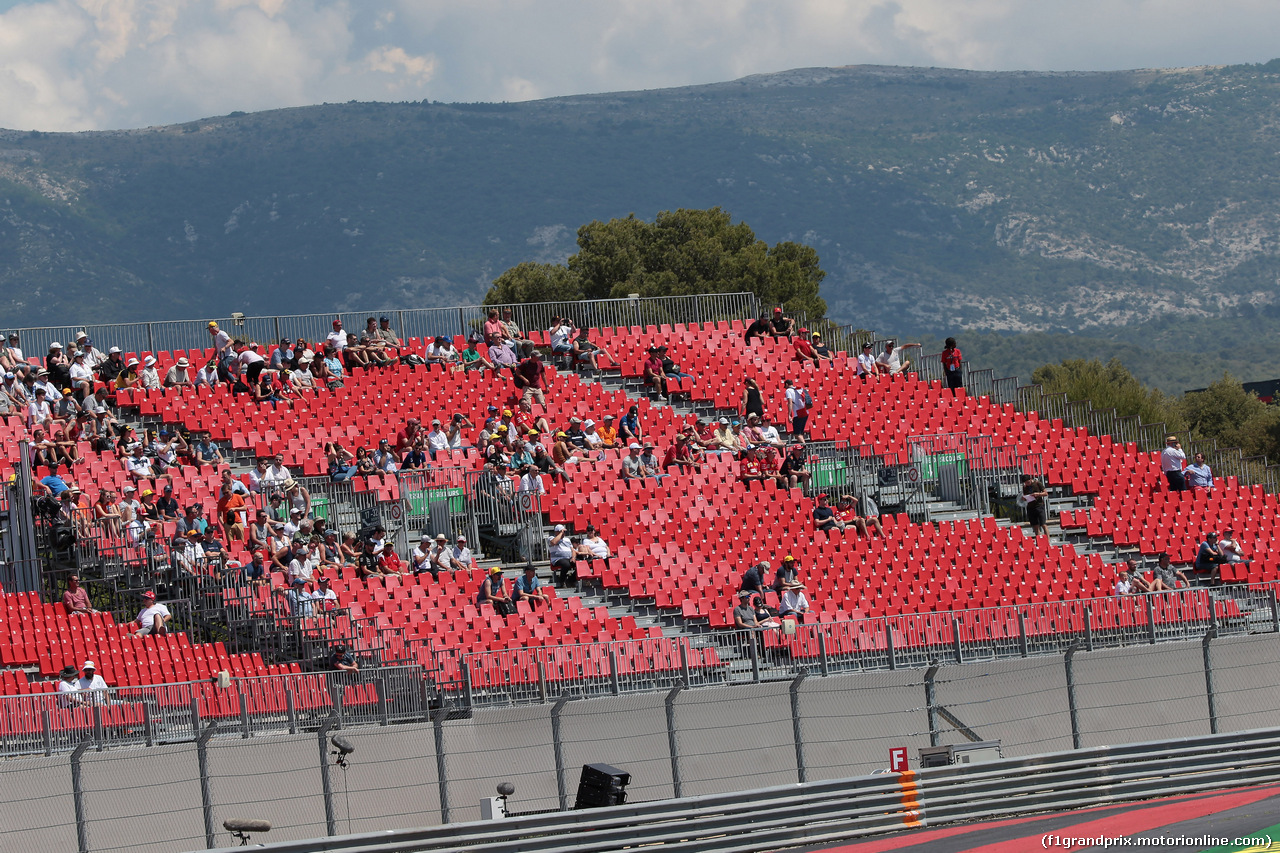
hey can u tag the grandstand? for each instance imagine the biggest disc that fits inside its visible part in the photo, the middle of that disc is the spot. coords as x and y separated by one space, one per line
955 571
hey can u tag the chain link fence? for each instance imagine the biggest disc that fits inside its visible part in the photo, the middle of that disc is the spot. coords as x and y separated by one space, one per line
677 743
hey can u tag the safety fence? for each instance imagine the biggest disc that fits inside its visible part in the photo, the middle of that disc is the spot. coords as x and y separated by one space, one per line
677 743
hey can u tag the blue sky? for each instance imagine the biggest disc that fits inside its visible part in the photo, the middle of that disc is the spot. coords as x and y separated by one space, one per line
97 64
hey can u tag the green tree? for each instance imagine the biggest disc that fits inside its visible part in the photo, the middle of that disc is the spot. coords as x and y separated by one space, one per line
681 252
1110 386
1233 417
530 282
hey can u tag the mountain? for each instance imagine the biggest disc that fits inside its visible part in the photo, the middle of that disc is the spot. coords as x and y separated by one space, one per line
1138 207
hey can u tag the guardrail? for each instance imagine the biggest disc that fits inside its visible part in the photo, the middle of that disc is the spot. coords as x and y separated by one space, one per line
836 811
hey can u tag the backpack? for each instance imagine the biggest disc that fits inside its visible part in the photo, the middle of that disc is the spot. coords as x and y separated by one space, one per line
808 399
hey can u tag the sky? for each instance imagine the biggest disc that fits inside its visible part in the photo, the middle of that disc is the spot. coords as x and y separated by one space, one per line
69 65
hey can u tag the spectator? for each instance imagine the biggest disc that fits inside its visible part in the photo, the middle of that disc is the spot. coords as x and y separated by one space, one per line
680 456
1139 582
561 555
787 576
1198 475
149 377
561 335
166 507
298 598
799 402
530 483
1171 461
11 354
803 348
69 688
192 519
544 463
231 512
670 369
338 337
153 619
793 603
385 460
420 558
473 359
460 556
139 466
493 592
1036 499
595 547
821 350
652 462
586 352
793 469
744 615
1165 576
824 517
529 588
256 572
1124 586
502 354
512 331
769 434
653 375
391 343
1230 547
276 474
781 326
752 399
890 362
370 562
530 377
81 375
753 579
205 452
91 686
629 428
952 362
324 597
76 598
1209 558
860 512
342 660
749 468
723 438
758 329
493 326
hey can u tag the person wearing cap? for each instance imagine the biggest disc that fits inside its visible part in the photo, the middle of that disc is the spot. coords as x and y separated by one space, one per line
561 555
15 391
824 517
153 619
793 468
821 350
866 363
493 591
442 352
299 376
562 452
528 587
744 613
652 461
299 596
91 687
1209 557
58 364
724 438
342 660
780 325
390 341
891 362
111 367
524 420
543 461
165 448
632 467
651 370
577 437
69 688
460 556
680 456
802 347
420 559
39 412
749 468
530 376
606 433
1198 475
205 452
138 465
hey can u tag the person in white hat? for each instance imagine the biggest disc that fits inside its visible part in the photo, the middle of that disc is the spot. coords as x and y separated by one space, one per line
149 375
90 680
153 618
81 374
179 376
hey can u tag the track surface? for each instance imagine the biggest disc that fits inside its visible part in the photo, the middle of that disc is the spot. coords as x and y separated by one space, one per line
1187 824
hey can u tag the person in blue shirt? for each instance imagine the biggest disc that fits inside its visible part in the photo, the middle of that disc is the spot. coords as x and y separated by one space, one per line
1198 475
529 588
55 484
1209 557
629 429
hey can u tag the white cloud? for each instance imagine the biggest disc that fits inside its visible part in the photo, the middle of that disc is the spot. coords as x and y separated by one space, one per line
78 64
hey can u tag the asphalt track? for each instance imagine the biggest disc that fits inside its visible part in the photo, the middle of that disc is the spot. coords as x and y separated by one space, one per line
1184 824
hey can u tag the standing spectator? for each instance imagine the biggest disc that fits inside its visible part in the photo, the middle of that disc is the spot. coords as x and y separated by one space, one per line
76 598
1171 461
952 361
1036 500
153 619
529 588
1198 475
799 402
781 326
753 579
752 400
530 377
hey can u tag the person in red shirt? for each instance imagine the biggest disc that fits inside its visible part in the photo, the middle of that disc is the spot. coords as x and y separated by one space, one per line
406 436
769 465
679 455
804 349
530 377
525 420
653 374
749 468
951 361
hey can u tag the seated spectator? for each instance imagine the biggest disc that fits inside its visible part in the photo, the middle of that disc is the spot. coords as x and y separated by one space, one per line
341 462
472 359
753 579
149 377
1165 577
493 592
299 598
890 362
546 464
744 615
1230 547
793 469
1198 475
803 347
69 688
231 512
670 369
781 326
680 456
460 555
594 547
415 458
166 507
529 588
770 465
749 469
91 688
342 660
420 561
81 375
385 459
629 427
564 453
206 452
561 555
256 573
787 576
391 343
824 517
512 331
758 329
653 375
561 336
724 438
652 461
338 337
633 468
370 563
391 562
1138 582
587 353
793 603
1124 586
821 350
442 352
76 598
502 354
1209 558
153 618
577 437
375 348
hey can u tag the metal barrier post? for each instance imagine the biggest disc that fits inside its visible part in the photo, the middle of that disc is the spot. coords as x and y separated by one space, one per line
380 685
542 682
292 709
802 772
336 689
466 684
1022 633
442 777
824 663
557 743
1275 612
684 666
195 715
1151 618
673 747
888 639
322 739
931 705
1069 663
46 726
206 793
613 672
1088 628
1209 692
147 726
755 657
955 639
77 795
244 714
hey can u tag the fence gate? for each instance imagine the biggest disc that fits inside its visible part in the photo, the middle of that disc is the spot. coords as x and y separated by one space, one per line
950 468
506 522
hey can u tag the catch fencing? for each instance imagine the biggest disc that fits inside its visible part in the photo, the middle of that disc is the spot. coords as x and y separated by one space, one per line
677 743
